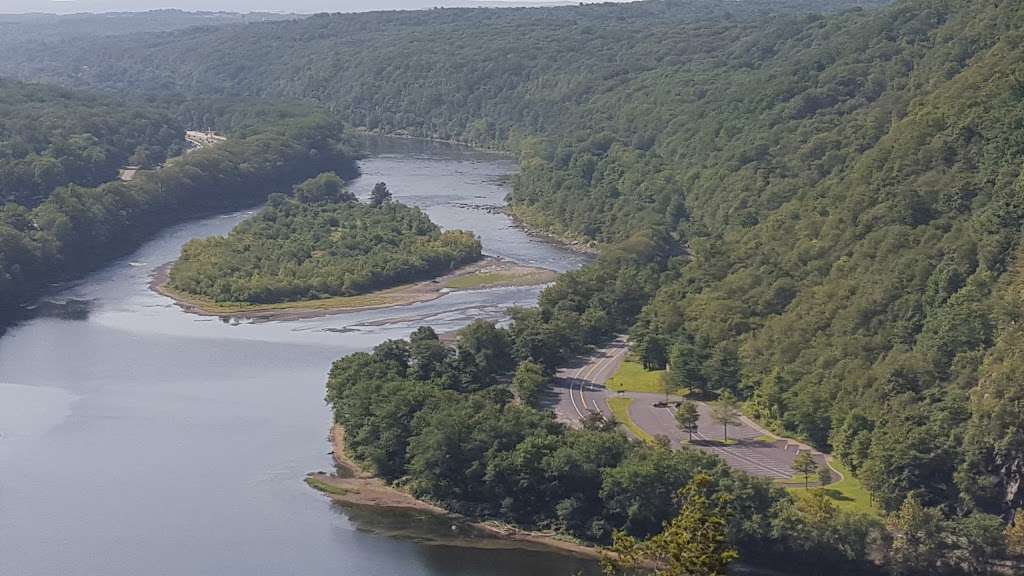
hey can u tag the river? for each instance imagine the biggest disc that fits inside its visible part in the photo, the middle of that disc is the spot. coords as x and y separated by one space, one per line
137 439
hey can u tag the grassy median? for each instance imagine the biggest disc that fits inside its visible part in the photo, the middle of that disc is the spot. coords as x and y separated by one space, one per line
620 410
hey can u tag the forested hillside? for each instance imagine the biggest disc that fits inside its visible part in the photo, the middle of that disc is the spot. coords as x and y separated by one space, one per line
475 75
50 137
78 227
834 201
16 28
439 420
322 243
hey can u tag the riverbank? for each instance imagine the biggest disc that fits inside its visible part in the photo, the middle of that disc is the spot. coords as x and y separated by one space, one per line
354 486
403 135
490 272
522 216
527 220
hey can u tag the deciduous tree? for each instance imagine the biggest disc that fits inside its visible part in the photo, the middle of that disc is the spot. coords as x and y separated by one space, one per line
916 538
694 543
726 411
687 416
805 466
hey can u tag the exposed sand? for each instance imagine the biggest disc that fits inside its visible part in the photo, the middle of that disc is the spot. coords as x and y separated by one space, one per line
357 487
486 273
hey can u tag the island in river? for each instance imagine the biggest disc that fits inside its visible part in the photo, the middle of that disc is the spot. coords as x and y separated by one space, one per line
322 251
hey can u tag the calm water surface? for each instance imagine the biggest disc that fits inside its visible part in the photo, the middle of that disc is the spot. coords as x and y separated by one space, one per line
137 439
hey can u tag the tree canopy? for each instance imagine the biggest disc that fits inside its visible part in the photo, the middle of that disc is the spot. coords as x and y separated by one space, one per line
77 227
51 137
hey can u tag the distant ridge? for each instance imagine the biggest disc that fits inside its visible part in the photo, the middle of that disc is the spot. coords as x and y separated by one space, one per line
227 9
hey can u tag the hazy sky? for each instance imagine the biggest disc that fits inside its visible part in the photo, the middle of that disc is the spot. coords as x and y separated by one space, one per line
70 6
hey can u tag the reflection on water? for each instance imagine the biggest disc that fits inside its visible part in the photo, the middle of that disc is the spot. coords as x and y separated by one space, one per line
67 309
467 194
137 439
27 411
453 547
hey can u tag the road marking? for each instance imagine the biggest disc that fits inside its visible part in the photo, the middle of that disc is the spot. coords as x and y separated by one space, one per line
572 383
581 377
595 367
745 458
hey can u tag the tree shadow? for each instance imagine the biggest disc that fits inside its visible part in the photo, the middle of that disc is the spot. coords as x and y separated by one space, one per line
837 495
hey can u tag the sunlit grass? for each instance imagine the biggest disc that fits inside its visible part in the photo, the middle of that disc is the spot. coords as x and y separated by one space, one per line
848 494
495 279
719 442
325 487
632 377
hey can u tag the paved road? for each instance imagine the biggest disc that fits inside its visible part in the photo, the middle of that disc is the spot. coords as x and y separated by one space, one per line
752 452
579 387
579 390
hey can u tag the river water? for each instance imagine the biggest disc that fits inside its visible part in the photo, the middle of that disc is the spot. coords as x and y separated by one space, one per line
137 439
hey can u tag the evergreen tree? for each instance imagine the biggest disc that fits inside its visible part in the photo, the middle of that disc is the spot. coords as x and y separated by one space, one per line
686 369
380 194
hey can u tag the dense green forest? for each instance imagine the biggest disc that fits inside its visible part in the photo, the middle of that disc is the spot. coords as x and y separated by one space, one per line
78 227
456 425
51 137
832 202
443 422
323 243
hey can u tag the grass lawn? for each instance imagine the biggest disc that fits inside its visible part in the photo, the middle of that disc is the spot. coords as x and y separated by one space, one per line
717 442
620 409
494 279
848 494
632 377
